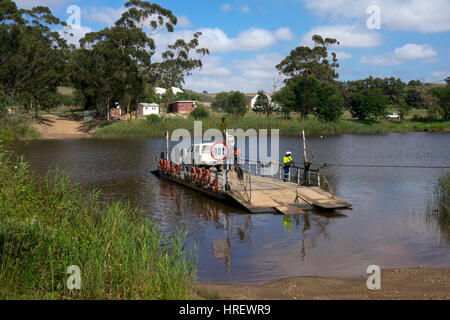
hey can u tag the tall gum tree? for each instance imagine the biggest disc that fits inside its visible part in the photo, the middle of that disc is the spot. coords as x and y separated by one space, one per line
131 37
32 56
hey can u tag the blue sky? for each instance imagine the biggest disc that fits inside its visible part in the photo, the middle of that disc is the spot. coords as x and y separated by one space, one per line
247 38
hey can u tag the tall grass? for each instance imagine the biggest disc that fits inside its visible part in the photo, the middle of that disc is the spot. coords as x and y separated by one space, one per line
14 127
287 127
439 208
48 224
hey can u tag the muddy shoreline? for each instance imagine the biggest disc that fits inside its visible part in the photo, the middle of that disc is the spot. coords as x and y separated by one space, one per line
421 283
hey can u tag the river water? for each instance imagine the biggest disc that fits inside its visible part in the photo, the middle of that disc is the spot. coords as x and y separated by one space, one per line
387 226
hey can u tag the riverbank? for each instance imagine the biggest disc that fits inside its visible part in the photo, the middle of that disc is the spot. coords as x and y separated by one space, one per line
154 127
404 284
52 126
48 224
17 127
72 126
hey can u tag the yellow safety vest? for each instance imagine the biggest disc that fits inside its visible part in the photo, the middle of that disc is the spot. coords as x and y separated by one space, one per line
287 160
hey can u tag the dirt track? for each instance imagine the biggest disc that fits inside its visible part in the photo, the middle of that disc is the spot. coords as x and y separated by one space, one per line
404 284
53 126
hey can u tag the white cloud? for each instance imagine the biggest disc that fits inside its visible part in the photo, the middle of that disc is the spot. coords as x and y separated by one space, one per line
183 22
284 34
254 39
400 55
28 4
248 75
342 55
413 51
73 35
104 15
226 7
440 74
217 41
417 15
347 35
212 66
380 60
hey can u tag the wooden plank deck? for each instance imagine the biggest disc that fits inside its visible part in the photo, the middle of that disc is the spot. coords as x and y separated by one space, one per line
265 194
268 194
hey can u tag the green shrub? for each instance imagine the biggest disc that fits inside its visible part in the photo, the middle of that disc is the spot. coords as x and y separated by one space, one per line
201 112
154 119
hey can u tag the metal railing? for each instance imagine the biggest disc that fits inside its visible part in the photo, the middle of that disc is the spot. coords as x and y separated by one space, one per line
275 170
272 169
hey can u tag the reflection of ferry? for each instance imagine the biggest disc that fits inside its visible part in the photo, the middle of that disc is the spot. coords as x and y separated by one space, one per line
203 169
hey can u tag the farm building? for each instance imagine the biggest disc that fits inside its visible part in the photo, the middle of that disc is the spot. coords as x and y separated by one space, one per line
146 109
182 106
251 103
161 91
115 112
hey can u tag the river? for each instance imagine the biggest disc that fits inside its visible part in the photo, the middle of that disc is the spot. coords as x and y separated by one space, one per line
387 227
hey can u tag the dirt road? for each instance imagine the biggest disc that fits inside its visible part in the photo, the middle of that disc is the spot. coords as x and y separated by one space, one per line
405 284
53 126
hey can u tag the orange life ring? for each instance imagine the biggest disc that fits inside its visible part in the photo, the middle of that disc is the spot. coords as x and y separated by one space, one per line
207 177
200 175
193 174
167 167
215 185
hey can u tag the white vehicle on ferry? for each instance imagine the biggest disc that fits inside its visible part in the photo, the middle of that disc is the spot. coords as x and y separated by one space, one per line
204 155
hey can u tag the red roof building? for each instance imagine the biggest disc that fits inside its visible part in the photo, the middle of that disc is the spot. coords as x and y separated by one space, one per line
182 106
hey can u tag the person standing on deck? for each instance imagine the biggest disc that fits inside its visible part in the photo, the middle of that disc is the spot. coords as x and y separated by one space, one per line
236 154
287 163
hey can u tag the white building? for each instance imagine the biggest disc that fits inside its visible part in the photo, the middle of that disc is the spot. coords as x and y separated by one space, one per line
162 91
146 109
274 105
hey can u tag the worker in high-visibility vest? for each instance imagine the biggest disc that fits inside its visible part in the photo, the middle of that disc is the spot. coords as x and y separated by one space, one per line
287 163
236 155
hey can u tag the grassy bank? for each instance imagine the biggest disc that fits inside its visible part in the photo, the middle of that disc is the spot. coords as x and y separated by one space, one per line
149 128
13 127
48 224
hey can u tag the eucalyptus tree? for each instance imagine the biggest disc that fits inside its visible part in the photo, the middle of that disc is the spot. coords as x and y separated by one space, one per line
128 48
304 61
32 56
236 104
220 102
307 70
178 63
330 103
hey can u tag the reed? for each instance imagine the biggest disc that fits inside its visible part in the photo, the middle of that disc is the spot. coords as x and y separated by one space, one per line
48 224
439 206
